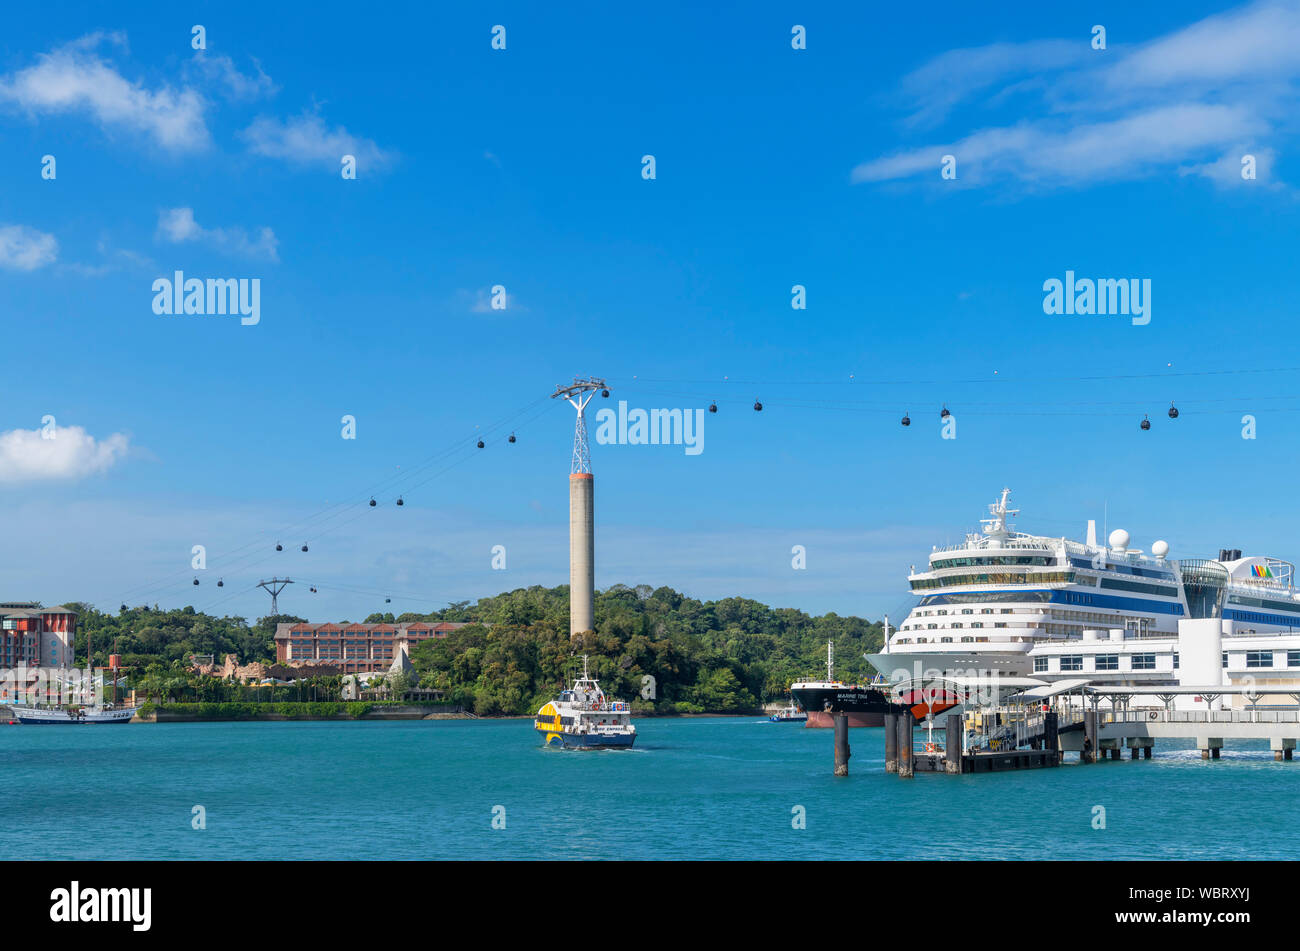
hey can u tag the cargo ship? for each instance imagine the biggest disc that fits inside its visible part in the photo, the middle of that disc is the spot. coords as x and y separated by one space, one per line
865 704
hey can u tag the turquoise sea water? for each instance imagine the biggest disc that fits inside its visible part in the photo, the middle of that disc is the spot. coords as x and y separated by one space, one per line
700 788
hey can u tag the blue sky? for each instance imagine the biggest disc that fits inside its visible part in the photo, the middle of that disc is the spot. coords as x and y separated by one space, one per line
522 168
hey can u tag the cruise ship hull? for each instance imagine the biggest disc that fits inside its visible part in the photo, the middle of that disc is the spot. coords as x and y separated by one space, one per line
927 665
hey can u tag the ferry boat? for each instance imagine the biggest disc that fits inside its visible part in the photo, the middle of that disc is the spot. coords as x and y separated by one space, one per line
788 714
1004 602
584 718
864 704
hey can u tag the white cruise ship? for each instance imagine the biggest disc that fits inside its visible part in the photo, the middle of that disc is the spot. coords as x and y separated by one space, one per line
1009 603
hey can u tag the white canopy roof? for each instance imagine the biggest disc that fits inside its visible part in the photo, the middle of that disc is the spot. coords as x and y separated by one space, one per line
1052 690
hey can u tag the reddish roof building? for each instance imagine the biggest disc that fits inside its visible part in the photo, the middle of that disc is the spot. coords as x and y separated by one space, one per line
36 636
354 648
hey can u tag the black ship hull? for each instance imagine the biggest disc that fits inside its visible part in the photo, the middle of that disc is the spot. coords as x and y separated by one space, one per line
864 706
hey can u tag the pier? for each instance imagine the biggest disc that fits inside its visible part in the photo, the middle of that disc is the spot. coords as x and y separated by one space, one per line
1039 723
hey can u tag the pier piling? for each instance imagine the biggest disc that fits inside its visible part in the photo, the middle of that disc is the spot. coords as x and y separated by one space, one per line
952 745
905 758
891 742
1089 754
1051 735
841 744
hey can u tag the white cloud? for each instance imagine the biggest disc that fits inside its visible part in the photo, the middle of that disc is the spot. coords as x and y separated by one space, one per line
26 249
1061 152
1226 171
480 302
75 79
112 259
957 75
306 140
1186 102
178 225
1258 41
26 455
221 71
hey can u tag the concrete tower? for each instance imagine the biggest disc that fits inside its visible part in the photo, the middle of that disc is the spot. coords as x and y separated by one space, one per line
582 515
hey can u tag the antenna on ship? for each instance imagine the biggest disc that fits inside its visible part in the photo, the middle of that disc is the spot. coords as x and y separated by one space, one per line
830 660
997 524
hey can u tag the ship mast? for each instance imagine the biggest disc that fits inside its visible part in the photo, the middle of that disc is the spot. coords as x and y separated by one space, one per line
830 660
997 525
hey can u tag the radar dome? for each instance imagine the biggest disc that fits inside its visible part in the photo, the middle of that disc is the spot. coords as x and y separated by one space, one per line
1119 539
1160 549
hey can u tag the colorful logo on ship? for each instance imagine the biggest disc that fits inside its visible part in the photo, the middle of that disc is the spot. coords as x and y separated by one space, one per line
1261 571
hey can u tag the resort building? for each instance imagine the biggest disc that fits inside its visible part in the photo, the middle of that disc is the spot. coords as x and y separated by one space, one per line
36 636
354 648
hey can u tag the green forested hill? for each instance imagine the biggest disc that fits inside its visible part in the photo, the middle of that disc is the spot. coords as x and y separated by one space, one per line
702 656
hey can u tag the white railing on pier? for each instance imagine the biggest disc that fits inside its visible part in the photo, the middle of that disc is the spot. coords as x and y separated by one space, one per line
1200 716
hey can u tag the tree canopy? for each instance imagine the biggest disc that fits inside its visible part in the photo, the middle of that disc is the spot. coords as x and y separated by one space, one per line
654 647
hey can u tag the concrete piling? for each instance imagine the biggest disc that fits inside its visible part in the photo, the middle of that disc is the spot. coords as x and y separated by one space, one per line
1089 754
841 744
905 759
891 742
952 744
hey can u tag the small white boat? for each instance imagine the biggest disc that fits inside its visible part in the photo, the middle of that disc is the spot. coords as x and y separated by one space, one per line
789 714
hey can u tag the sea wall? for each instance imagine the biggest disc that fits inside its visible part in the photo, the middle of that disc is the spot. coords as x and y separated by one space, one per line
194 712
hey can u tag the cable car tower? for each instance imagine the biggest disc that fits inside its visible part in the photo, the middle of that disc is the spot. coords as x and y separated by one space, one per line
274 587
582 541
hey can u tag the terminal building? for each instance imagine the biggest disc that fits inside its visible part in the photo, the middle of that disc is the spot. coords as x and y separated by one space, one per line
36 636
354 648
